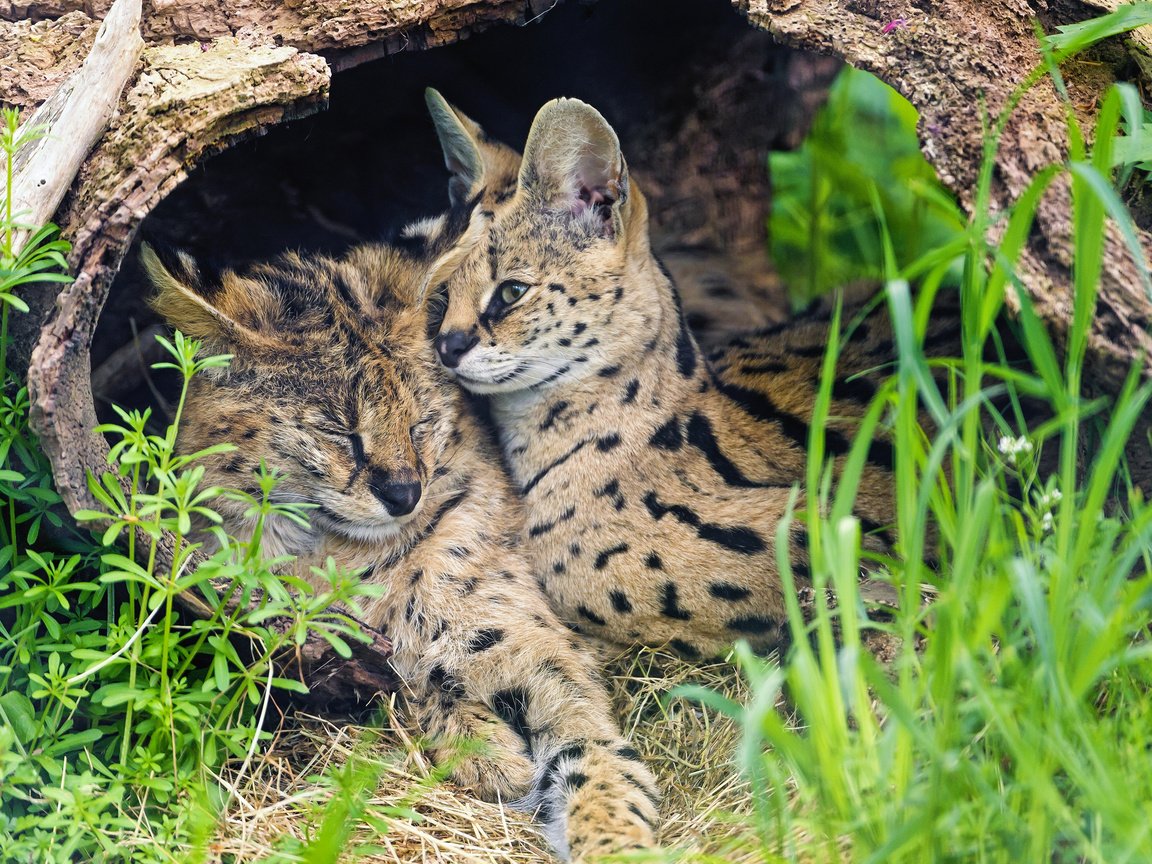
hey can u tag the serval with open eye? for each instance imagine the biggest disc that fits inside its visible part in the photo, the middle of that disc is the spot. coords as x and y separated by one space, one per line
654 477
334 383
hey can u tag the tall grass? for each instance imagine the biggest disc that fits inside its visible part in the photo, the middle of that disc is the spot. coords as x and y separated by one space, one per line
1015 723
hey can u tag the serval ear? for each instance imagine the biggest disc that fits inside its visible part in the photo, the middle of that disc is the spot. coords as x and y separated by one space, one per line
462 141
224 314
572 162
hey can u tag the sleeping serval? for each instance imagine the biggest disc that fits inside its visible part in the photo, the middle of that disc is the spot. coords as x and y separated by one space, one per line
654 477
334 384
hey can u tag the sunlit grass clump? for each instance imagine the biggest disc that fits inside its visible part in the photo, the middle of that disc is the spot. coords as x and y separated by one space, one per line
1015 723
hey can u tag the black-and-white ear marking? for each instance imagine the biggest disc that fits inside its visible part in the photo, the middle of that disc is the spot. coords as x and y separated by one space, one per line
573 162
224 311
459 139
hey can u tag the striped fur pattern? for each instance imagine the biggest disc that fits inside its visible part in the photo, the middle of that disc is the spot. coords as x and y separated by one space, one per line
335 385
654 476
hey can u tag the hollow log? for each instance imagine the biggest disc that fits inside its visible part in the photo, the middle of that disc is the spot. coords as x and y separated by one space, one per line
957 62
214 73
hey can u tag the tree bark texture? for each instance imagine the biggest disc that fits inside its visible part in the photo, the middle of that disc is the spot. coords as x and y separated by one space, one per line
957 61
213 72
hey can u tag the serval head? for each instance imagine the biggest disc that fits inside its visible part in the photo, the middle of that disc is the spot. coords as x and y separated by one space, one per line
561 285
332 383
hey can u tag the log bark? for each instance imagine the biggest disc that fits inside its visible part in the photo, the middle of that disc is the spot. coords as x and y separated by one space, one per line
185 101
77 114
953 60
213 73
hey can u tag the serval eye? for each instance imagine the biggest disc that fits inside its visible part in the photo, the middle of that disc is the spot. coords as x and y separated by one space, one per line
511 291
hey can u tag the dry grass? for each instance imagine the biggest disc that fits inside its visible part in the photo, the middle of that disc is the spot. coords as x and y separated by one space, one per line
282 795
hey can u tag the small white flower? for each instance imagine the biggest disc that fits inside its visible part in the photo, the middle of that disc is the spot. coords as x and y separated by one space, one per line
1046 522
1011 448
1048 500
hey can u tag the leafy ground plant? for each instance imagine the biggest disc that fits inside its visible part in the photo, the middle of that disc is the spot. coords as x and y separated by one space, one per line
113 711
862 149
1013 725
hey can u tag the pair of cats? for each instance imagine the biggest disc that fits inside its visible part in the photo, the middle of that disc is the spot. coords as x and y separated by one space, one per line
646 482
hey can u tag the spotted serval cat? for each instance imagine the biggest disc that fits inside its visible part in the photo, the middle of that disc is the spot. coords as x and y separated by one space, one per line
654 476
334 383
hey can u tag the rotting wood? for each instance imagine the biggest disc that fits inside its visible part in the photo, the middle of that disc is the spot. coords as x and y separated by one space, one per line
178 84
187 101
951 64
247 71
952 61
76 115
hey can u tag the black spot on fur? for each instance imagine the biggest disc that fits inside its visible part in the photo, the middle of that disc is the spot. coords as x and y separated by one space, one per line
761 407
740 539
543 472
814 350
668 436
771 367
701 437
563 370
670 605
639 814
685 347
587 614
484 639
575 780
544 527
653 562
755 624
620 601
609 371
511 706
554 411
727 591
611 490
643 787
859 390
605 556
608 442
557 287
569 752
630 391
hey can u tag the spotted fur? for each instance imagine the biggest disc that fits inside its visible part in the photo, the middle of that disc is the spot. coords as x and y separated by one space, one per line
334 384
654 476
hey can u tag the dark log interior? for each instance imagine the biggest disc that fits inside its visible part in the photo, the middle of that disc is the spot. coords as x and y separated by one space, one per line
697 96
